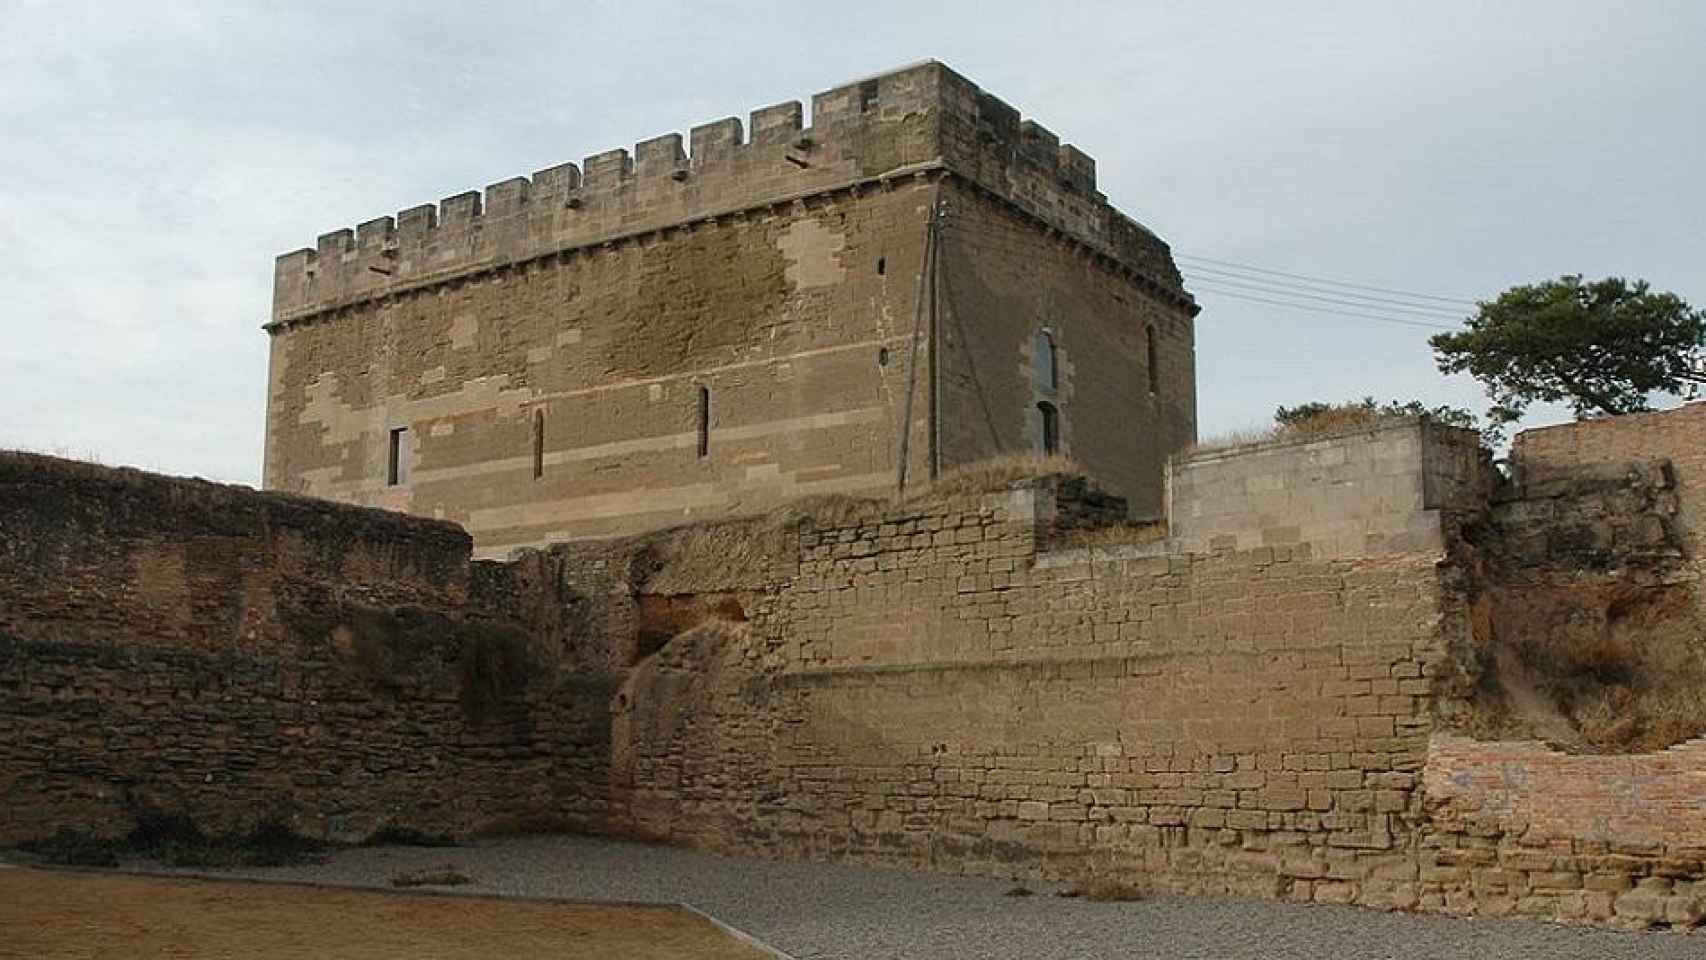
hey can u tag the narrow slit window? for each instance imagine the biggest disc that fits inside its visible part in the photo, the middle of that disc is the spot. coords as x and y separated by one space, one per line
882 265
1048 433
704 421
1154 368
397 458
538 444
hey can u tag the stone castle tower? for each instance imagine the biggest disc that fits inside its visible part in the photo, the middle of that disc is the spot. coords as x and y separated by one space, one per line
916 281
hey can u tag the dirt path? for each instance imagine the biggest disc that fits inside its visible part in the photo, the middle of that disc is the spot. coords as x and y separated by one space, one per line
48 914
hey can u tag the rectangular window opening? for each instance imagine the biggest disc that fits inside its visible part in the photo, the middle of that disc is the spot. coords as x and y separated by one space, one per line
397 459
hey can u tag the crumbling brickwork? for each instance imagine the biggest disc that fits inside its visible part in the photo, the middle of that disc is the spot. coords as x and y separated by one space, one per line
645 339
1583 594
1679 436
949 687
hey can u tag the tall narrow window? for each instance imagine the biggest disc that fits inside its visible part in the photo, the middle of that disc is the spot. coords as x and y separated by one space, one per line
1045 367
1048 433
538 444
397 458
1154 369
704 421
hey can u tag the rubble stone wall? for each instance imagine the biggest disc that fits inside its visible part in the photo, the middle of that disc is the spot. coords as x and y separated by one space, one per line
184 646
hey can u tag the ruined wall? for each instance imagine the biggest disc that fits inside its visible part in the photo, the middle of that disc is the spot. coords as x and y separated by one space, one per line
1677 435
931 690
545 346
1369 491
1563 778
962 682
951 685
1003 281
184 646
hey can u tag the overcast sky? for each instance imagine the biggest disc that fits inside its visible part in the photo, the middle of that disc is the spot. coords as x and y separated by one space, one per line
158 156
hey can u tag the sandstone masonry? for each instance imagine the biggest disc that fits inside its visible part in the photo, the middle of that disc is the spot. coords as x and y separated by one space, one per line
711 325
1007 681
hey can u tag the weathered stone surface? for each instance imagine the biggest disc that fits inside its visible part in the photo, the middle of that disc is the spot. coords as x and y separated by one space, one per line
552 352
950 682
234 656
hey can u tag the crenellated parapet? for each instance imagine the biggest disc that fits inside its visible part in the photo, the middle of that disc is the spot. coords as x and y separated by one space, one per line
922 120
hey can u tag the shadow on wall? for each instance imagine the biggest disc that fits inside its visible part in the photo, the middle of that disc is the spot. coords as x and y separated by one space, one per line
388 649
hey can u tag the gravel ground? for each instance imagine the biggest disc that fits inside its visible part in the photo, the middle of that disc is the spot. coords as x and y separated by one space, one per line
824 911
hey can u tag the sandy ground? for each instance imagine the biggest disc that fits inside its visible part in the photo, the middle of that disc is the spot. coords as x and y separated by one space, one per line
51 914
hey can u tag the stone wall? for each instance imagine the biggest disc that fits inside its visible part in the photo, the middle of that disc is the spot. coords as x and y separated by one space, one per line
1581 580
563 400
1010 682
1004 283
655 338
1384 488
954 686
1519 827
184 646
1679 435
935 687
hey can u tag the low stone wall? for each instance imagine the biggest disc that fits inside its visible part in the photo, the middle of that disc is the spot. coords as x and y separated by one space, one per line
1368 491
183 646
1520 827
122 556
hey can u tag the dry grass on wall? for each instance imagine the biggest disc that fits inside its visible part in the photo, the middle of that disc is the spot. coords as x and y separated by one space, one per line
996 473
1329 422
1607 669
1232 439
1129 534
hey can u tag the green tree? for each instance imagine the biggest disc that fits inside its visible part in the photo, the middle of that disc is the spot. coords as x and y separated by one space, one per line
1604 347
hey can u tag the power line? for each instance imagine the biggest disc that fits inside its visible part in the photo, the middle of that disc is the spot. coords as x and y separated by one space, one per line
1287 287
1343 313
1321 280
1336 301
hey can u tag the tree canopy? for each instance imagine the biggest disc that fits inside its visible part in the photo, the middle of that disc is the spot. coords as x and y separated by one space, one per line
1603 346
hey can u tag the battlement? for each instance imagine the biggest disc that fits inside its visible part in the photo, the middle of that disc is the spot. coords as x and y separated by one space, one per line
920 120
